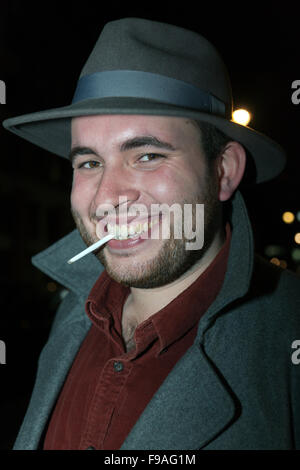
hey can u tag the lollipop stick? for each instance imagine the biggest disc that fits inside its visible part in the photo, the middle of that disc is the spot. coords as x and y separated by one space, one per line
91 248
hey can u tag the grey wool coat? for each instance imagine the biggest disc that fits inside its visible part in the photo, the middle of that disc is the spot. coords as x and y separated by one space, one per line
236 388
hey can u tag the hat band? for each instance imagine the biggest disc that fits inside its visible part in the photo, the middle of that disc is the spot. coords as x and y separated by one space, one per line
145 85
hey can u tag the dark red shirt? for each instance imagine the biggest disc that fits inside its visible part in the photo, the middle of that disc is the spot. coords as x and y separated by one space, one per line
108 388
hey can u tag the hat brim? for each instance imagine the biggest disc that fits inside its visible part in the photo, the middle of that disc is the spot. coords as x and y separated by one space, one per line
51 129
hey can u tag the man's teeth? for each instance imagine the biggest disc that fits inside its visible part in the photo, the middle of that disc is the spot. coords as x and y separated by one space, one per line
122 232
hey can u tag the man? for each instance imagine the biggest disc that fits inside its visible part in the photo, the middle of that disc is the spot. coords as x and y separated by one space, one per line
168 347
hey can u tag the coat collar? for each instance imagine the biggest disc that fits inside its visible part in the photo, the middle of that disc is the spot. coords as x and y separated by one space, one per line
78 277
239 267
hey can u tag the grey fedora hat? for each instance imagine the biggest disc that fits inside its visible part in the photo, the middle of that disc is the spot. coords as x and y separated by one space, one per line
145 67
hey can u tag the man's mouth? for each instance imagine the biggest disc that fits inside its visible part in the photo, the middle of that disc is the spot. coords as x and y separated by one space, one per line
124 232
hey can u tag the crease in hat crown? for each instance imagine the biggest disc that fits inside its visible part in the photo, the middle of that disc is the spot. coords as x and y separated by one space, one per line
139 66
143 45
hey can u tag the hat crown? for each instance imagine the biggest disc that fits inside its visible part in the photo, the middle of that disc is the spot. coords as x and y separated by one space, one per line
149 46
142 67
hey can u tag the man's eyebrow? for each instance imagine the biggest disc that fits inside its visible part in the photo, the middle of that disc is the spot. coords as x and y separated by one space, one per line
135 142
78 150
143 141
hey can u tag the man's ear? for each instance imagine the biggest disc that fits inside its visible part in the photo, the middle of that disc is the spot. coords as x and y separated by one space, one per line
230 167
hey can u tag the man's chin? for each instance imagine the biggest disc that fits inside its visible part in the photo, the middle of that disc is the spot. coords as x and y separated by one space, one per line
166 266
127 271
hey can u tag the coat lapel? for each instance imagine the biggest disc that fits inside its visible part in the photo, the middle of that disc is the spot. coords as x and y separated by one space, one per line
54 364
66 336
189 410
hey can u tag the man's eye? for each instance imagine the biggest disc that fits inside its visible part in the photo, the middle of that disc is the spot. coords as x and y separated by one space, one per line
91 164
150 157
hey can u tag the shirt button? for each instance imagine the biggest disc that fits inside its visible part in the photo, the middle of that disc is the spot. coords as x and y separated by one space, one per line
118 366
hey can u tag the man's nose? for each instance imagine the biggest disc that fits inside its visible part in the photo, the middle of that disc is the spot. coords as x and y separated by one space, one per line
115 186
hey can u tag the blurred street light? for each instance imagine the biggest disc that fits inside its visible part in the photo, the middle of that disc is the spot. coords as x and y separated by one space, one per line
297 238
241 116
288 217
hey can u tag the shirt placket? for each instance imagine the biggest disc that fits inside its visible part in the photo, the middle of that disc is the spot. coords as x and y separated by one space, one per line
113 378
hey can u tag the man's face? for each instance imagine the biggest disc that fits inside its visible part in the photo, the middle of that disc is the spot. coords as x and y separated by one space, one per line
145 160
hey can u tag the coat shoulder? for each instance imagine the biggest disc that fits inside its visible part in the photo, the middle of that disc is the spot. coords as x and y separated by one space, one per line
275 292
269 278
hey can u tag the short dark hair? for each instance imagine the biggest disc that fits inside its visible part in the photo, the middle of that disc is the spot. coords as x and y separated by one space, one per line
213 140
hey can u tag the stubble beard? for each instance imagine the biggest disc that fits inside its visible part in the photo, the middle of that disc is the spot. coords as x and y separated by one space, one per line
172 260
